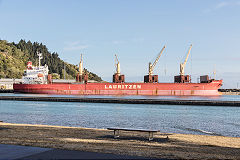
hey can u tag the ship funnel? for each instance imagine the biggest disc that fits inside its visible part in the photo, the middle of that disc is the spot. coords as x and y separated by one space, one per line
29 65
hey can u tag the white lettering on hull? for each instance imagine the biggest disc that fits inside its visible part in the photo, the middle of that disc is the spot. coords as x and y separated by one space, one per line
126 86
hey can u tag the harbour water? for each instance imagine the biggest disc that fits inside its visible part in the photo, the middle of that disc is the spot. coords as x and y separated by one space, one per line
208 120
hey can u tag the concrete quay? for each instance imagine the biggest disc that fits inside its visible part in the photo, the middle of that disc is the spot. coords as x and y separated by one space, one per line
124 101
27 152
6 91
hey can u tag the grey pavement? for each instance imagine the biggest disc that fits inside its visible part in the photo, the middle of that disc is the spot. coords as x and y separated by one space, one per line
26 152
15 151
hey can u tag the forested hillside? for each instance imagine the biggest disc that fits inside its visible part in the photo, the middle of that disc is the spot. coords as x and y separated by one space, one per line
14 57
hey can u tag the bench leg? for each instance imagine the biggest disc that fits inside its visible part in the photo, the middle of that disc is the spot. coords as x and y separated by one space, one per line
150 138
116 133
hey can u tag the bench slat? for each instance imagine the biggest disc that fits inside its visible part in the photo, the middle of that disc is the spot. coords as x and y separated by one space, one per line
150 132
137 130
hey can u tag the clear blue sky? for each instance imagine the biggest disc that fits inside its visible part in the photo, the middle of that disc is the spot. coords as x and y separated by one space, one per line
134 29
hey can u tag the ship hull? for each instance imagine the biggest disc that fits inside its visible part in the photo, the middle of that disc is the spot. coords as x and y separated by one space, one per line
151 89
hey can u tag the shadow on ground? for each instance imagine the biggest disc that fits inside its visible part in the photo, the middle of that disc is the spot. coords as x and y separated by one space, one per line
3 128
162 140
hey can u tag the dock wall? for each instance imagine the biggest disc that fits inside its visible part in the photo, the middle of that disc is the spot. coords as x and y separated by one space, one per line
124 101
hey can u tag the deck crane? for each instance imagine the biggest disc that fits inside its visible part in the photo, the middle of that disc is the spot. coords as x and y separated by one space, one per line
81 66
117 64
117 77
183 78
182 65
150 78
81 76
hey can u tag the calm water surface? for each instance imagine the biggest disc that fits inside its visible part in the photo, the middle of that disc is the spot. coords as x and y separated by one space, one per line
211 120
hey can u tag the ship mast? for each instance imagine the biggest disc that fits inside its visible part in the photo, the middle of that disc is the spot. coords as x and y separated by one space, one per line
39 58
214 72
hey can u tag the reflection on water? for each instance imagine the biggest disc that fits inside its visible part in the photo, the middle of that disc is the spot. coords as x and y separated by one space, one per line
209 120
217 98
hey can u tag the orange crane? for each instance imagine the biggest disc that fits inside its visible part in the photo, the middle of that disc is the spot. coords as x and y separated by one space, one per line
150 78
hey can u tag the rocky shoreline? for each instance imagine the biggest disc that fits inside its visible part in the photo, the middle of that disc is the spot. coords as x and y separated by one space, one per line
176 146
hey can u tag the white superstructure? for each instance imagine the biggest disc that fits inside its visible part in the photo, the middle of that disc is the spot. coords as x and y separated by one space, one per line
35 75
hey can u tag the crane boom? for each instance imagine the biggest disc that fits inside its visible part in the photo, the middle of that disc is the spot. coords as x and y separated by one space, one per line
182 65
152 66
117 65
81 66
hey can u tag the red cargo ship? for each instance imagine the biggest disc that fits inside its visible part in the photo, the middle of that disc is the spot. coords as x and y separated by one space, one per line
37 80
173 89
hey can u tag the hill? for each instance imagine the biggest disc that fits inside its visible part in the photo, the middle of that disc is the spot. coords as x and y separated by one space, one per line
14 57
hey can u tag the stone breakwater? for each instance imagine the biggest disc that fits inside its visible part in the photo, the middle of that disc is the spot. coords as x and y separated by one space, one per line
123 101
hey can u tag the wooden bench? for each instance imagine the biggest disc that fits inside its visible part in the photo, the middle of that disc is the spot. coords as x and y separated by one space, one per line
117 132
